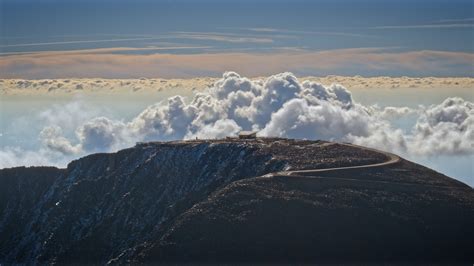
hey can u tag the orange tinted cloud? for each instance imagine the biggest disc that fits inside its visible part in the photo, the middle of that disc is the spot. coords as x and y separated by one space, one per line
108 64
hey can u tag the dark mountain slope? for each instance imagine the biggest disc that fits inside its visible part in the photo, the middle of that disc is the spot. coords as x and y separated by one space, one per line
347 216
204 201
103 204
20 191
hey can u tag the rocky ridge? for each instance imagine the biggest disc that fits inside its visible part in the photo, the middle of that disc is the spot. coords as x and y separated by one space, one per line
202 200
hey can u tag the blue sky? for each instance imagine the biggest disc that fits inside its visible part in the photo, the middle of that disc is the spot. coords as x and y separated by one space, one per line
422 38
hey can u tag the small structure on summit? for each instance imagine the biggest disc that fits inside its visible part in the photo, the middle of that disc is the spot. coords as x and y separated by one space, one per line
247 134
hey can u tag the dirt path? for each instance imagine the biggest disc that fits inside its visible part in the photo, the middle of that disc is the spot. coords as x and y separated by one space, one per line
317 173
392 160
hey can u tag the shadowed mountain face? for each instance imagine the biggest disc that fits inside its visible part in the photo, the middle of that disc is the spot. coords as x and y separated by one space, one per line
216 201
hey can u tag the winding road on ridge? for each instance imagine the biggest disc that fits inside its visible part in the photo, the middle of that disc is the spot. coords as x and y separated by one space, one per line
392 159
317 173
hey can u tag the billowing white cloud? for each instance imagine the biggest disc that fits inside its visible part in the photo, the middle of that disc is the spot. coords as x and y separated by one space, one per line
102 134
165 121
300 118
447 128
279 105
443 129
391 112
69 116
52 139
220 129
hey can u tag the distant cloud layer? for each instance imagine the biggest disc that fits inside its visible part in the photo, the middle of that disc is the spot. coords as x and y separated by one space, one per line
113 63
55 87
279 105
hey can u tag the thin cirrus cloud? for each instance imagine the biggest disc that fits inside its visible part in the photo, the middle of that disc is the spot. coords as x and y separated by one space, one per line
232 38
108 63
78 42
104 50
301 32
211 36
427 26
457 20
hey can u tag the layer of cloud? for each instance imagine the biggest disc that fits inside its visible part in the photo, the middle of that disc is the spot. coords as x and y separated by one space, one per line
279 105
455 85
101 86
366 61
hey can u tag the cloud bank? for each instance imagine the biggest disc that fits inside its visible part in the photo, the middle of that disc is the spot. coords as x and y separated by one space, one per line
455 85
279 105
110 63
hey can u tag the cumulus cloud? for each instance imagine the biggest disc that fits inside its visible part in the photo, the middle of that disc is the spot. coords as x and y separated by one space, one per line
68 116
391 113
219 129
101 134
300 118
52 139
279 105
443 129
447 128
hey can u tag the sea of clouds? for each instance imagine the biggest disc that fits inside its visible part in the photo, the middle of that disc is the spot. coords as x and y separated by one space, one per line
279 105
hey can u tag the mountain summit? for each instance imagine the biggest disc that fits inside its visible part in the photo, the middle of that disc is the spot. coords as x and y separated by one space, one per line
264 200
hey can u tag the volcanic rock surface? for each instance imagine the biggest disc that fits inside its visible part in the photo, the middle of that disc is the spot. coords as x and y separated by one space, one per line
235 201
